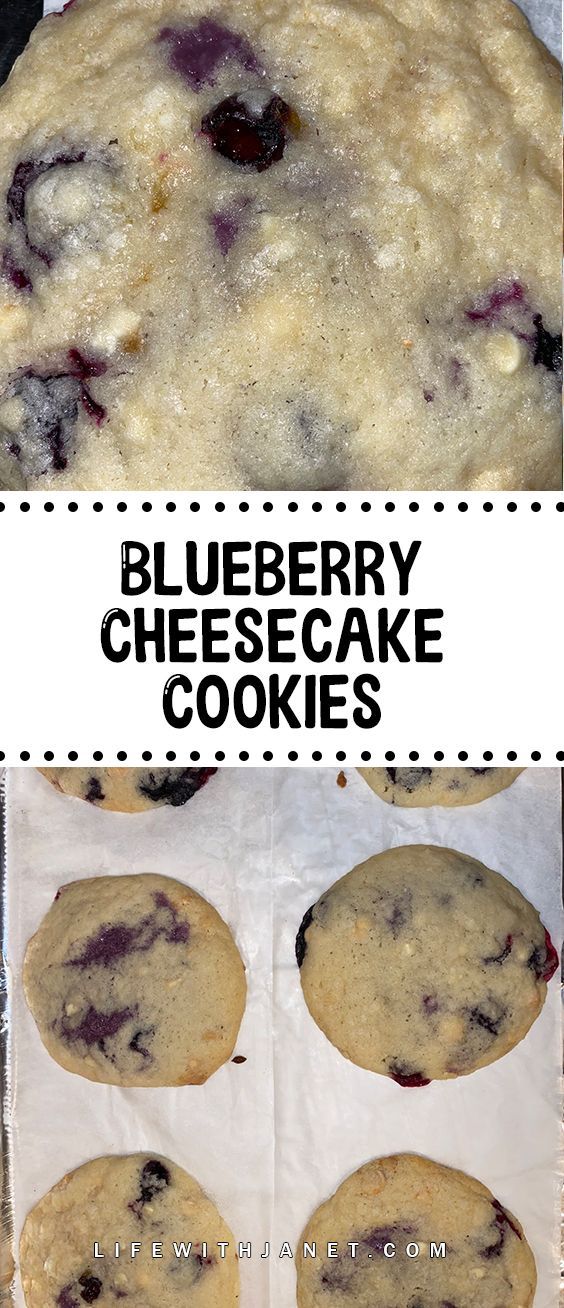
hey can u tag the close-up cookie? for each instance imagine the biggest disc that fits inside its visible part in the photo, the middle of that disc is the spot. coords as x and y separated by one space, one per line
392 1203
421 787
135 980
129 790
423 964
304 246
136 1198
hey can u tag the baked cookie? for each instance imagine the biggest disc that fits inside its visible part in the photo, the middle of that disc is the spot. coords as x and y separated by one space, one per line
139 1198
423 964
391 1203
302 246
129 790
135 981
421 787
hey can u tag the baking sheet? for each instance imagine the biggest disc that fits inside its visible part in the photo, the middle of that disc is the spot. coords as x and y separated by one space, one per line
545 17
272 1137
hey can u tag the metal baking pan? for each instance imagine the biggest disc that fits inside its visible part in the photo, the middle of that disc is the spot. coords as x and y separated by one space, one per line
261 844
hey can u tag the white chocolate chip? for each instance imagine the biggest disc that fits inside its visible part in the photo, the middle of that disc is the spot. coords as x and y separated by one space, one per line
505 352
13 321
12 413
388 256
63 194
117 328
280 237
275 319
139 429
452 1029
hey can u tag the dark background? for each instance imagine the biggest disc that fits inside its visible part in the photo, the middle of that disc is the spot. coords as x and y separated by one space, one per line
17 18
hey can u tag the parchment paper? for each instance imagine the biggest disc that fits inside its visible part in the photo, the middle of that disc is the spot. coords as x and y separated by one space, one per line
545 17
273 1137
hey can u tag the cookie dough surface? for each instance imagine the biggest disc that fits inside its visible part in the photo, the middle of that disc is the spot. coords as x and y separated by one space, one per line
421 787
135 980
129 790
281 245
138 1197
423 964
405 1199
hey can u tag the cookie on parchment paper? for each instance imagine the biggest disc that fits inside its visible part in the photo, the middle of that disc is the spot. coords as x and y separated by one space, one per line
136 1197
130 790
424 964
408 1200
135 981
421 787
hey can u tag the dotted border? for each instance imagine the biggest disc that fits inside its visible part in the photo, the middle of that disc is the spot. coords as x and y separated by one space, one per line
267 506
296 756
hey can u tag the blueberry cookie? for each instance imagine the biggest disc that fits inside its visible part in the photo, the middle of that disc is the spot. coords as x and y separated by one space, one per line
392 1203
135 980
283 247
130 790
423 964
421 787
140 1198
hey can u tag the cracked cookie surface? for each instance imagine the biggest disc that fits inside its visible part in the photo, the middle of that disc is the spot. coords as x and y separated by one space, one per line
424 964
136 1197
407 1199
294 246
421 787
135 981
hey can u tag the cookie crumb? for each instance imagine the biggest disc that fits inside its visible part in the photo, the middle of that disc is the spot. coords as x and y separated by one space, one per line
341 780
239 1058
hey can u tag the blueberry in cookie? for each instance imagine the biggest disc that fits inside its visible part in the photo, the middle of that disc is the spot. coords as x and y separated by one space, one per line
135 981
420 787
310 249
136 1198
49 405
424 964
405 1201
130 790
